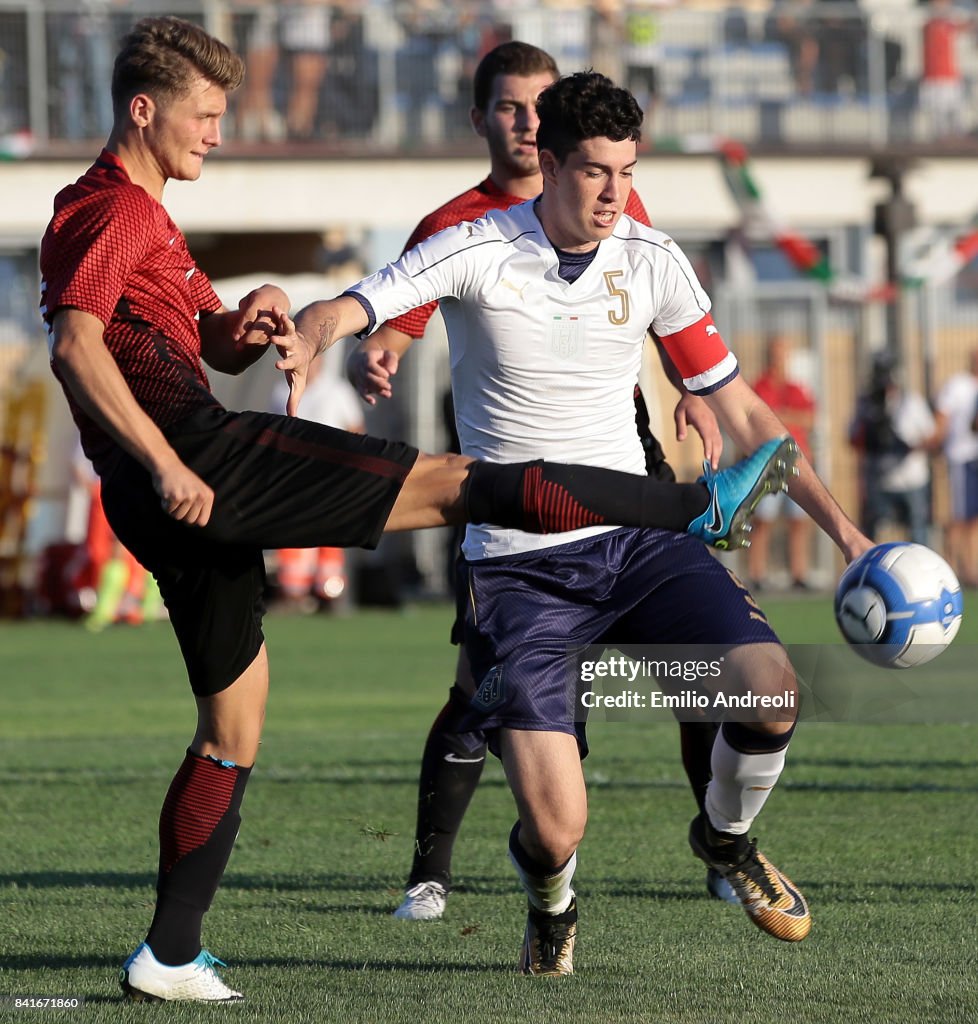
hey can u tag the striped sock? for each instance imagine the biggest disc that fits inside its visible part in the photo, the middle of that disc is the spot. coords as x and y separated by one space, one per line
198 825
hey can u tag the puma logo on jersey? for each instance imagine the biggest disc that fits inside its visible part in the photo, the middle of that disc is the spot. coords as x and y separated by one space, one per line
710 329
506 283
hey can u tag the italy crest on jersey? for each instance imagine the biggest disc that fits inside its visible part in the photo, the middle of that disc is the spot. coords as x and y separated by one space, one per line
567 337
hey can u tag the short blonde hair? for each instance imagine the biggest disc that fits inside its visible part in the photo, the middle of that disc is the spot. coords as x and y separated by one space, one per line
162 56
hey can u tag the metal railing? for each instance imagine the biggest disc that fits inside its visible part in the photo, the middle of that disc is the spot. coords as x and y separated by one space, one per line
371 76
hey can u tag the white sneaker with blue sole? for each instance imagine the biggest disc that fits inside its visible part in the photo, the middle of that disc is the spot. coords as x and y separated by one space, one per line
145 979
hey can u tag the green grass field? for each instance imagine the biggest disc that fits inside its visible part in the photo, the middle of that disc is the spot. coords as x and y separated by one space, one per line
876 823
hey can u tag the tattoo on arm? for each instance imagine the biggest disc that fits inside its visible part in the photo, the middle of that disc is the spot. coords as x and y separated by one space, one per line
325 331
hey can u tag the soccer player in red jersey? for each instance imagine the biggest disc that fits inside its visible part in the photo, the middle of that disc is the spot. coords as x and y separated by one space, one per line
196 492
506 85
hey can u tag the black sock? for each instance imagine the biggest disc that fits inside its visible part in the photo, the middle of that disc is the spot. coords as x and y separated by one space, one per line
743 738
450 771
696 743
550 497
198 826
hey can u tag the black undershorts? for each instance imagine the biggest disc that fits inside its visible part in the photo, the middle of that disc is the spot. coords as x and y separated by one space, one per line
278 482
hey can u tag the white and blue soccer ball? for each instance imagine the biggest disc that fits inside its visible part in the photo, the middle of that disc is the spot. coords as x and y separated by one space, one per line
899 605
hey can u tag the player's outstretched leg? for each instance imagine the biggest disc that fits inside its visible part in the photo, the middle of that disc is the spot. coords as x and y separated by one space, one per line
450 771
550 497
735 492
746 766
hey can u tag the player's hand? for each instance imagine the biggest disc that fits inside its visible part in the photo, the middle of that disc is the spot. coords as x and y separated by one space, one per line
370 373
296 352
183 495
255 323
856 545
692 411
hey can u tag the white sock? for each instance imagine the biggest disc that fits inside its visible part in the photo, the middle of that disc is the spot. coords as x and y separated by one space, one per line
740 785
550 893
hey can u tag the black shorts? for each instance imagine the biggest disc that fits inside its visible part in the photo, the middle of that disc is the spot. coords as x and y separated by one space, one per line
278 482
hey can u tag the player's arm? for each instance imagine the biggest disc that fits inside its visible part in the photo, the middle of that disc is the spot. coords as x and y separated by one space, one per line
750 422
374 362
316 328
233 340
92 375
691 410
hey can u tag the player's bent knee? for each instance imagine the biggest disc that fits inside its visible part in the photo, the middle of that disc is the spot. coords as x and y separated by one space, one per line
552 842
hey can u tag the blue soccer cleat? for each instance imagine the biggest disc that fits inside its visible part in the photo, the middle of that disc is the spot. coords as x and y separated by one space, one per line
735 492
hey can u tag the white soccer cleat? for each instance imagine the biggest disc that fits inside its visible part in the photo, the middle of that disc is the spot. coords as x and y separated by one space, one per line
145 979
423 902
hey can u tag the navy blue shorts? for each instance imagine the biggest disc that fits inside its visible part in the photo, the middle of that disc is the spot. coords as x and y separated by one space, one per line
531 618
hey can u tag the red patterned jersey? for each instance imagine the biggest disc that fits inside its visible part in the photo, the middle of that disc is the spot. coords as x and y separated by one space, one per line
112 250
472 205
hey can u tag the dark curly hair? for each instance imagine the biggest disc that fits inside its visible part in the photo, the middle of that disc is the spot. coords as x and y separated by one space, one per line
585 105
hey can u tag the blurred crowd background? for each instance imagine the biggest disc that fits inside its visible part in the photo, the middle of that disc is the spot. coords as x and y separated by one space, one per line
869 312
369 75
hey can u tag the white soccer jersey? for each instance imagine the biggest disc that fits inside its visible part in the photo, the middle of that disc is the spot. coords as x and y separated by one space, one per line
543 368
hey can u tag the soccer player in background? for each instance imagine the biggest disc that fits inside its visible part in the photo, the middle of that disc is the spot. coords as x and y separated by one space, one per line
196 492
547 306
506 85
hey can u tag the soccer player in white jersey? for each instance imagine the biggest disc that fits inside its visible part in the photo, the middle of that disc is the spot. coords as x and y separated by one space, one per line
547 307
505 87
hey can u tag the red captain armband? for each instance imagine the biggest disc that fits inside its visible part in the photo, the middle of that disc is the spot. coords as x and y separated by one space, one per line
696 349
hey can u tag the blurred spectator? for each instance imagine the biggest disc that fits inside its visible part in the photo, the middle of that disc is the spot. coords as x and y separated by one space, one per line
292 38
316 578
894 430
607 33
795 405
339 256
83 44
792 23
351 97
305 39
841 61
957 424
257 115
429 35
643 52
942 87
